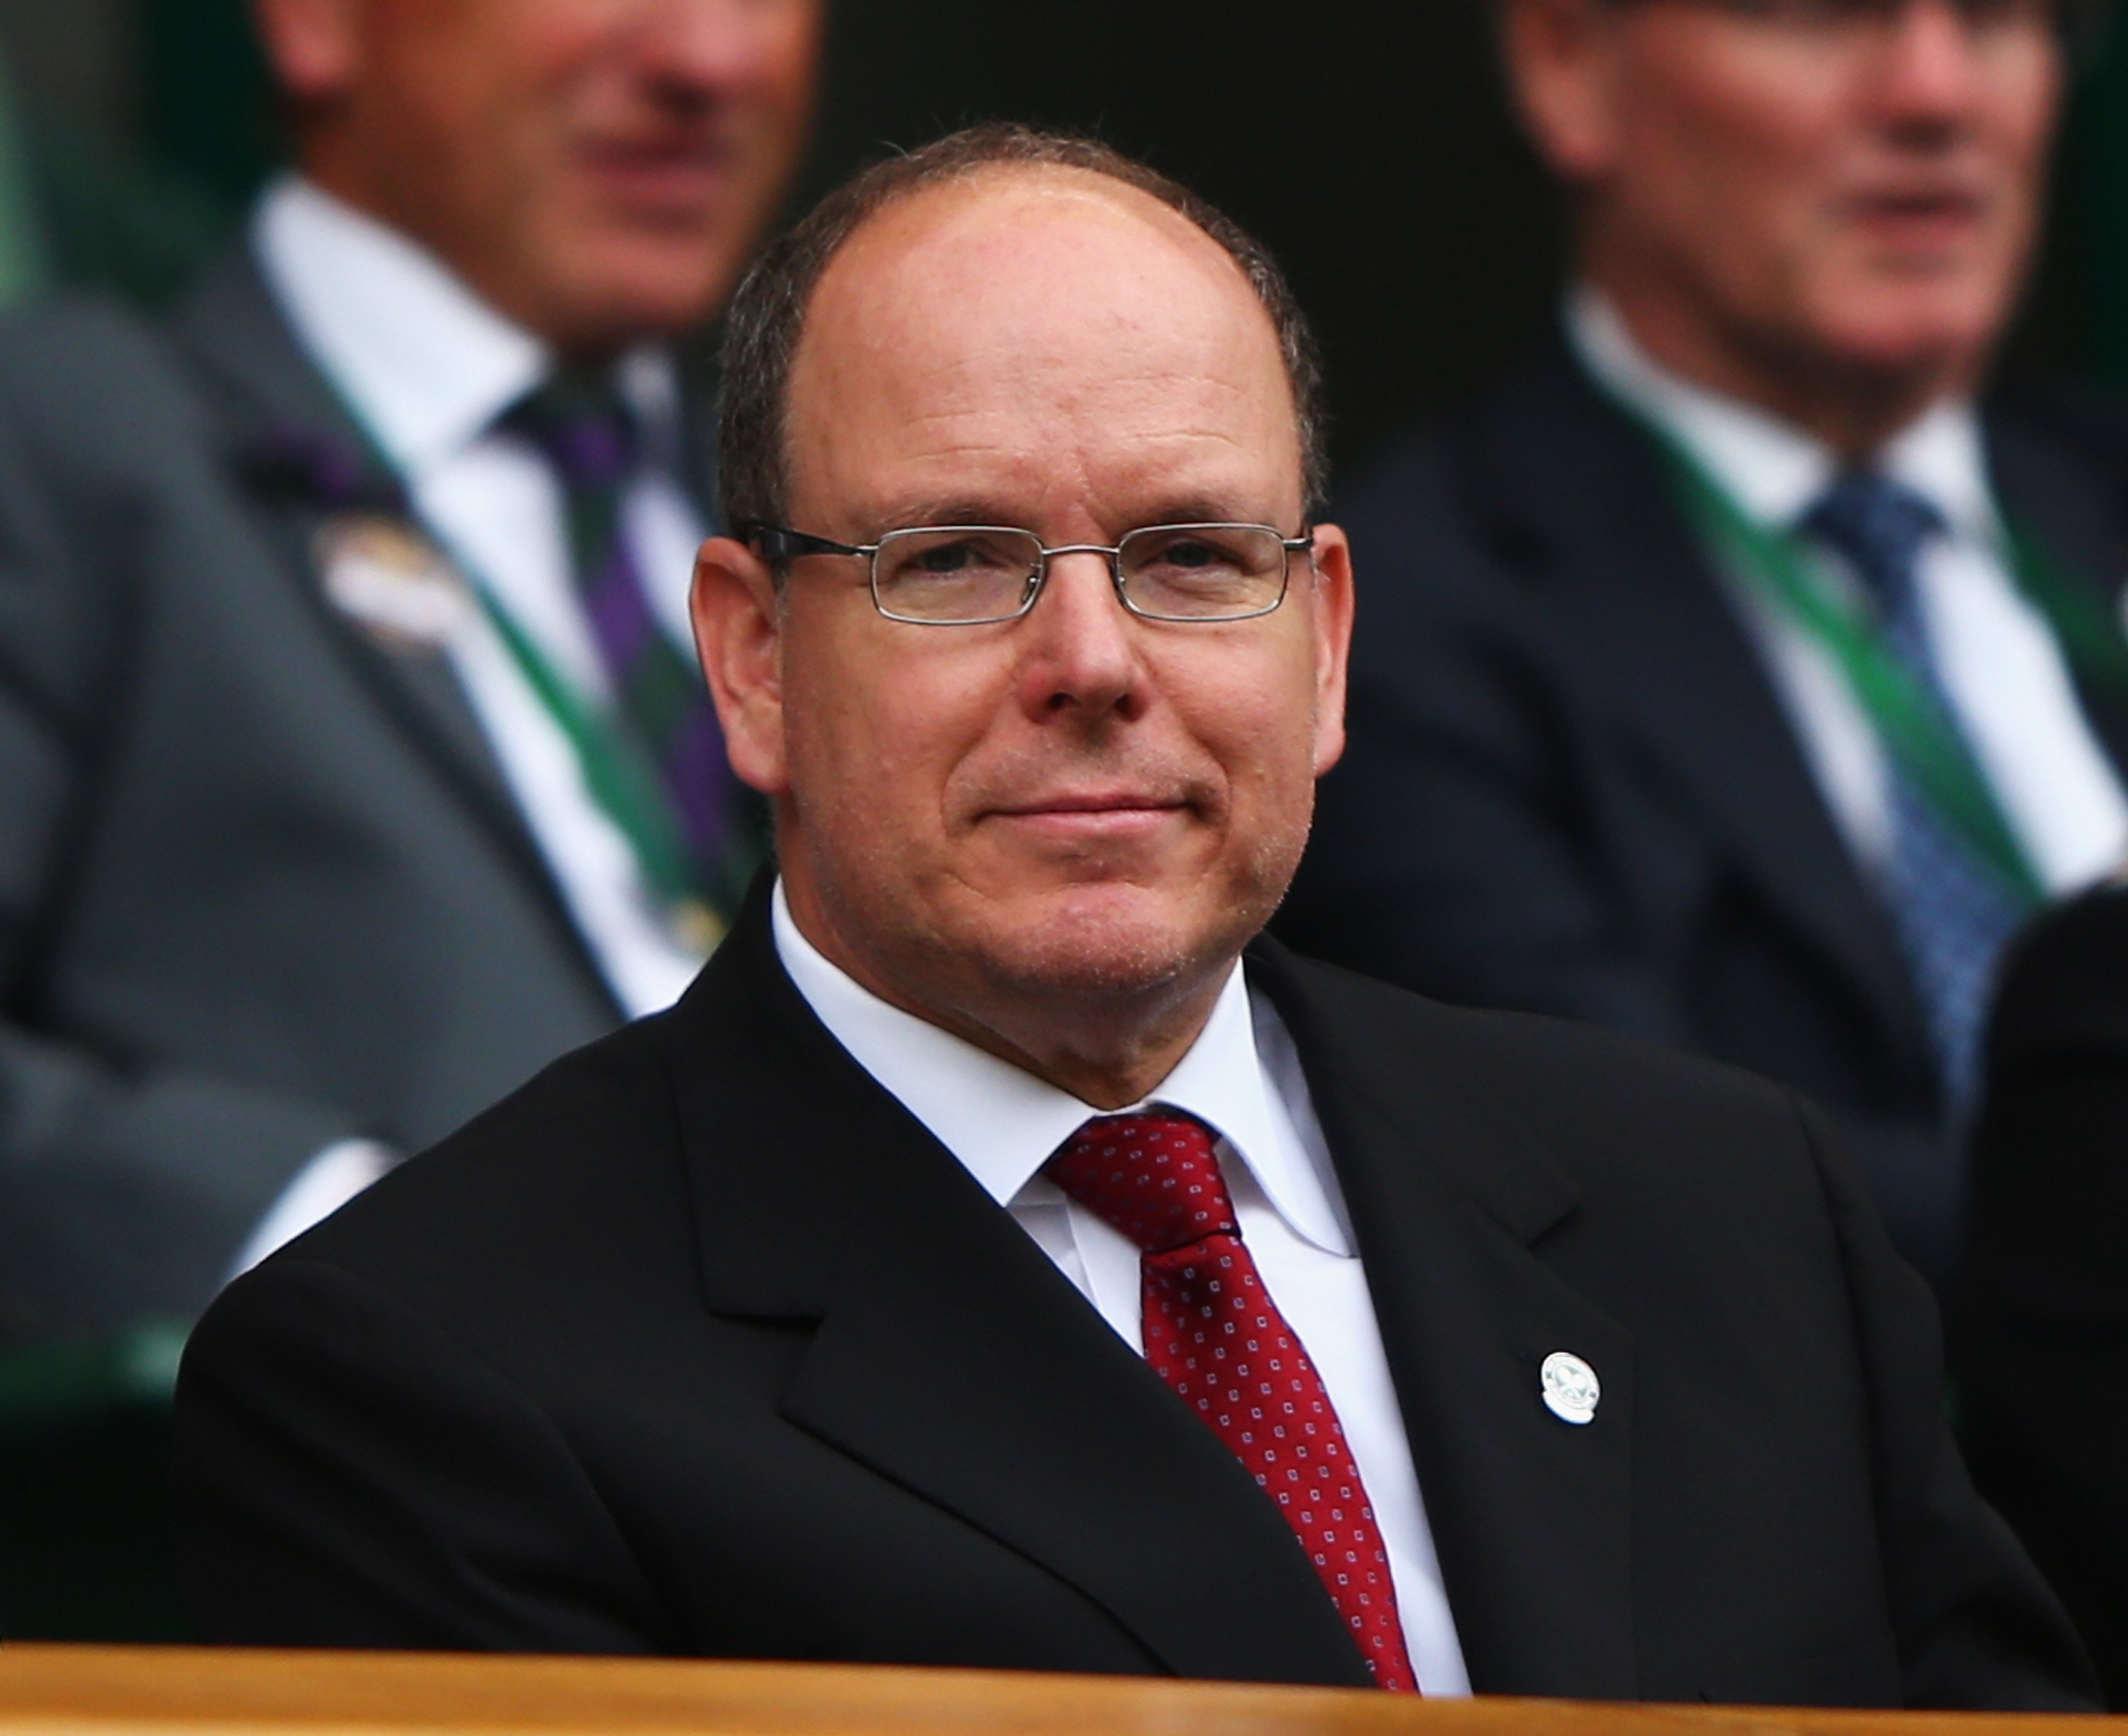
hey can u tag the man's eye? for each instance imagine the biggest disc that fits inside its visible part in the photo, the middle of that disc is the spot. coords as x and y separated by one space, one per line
1194 554
943 558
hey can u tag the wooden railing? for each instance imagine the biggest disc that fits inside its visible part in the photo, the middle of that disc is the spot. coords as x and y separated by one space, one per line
98 1690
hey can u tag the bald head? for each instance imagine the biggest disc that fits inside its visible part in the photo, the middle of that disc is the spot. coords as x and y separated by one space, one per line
774 307
1024 286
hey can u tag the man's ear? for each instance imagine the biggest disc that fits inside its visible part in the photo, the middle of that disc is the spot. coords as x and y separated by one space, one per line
1334 604
314 46
1558 59
739 635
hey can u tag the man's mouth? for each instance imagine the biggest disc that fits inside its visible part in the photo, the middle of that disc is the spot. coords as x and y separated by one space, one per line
672 174
1919 219
1092 815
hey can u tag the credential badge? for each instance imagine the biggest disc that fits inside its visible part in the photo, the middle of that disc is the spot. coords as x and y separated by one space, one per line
384 575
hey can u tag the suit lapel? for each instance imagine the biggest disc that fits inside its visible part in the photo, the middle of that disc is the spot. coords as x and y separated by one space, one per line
1531 1516
951 1356
1577 498
269 401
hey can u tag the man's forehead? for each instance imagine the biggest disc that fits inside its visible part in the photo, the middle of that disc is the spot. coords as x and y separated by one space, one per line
1024 285
1031 251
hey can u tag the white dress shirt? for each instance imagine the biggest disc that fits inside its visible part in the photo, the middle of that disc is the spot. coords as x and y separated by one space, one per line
1998 657
1242 1079
426 367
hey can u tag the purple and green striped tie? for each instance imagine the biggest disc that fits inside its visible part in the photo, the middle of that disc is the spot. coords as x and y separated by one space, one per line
590 438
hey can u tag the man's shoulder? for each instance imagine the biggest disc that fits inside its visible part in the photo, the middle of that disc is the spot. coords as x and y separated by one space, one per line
2084 418
559 1185
79 359
1538 1120
1365 1017
1477 508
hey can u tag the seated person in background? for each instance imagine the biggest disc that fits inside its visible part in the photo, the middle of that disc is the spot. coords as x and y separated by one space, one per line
985 1263
352 760
1734 676
2041 1325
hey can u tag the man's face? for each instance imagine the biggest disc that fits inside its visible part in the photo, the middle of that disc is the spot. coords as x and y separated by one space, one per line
1079 806
1809 181
597 169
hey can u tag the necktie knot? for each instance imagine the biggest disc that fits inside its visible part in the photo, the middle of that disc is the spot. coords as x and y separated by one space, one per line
1879 526
1151 1177
585 428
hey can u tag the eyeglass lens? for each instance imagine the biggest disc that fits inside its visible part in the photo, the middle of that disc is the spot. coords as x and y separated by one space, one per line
962 575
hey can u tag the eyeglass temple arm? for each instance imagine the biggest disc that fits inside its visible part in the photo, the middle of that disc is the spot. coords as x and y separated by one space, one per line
775 543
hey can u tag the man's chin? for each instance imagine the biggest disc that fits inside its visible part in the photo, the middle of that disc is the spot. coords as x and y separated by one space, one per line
1907 325
1113 940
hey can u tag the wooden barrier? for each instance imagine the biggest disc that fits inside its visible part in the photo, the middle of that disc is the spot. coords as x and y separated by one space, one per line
99 1690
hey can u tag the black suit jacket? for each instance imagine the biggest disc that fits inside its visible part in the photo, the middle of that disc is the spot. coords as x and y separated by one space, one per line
1573 788
2042 1345
702 1344
263 883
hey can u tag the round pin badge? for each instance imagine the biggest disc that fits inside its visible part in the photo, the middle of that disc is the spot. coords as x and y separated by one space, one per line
1570 1388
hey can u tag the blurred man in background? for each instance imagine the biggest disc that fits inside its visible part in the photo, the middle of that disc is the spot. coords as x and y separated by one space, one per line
350 764
1734 675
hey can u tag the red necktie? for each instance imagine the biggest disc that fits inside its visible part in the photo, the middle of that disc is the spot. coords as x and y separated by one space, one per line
1216 1337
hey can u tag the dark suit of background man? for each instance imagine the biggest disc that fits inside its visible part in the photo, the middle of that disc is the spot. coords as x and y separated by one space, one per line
2040 1341
1734 675
351 761
982 1264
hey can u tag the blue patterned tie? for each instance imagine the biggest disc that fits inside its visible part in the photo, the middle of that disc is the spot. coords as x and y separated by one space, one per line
1952 908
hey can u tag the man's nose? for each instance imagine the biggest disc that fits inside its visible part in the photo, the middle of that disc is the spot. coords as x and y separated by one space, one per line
1931 68
1082 645
719 46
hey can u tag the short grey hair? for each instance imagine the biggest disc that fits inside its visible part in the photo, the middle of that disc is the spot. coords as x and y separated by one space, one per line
767 317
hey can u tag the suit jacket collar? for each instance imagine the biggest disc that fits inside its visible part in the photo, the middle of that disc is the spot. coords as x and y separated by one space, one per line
1451 1202
949 1353
1573 495
297 457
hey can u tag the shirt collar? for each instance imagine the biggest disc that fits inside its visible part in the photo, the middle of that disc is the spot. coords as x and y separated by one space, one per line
426 364
1003 1123
1774 471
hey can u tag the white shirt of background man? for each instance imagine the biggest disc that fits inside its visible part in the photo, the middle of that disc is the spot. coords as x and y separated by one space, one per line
427 367
1998 656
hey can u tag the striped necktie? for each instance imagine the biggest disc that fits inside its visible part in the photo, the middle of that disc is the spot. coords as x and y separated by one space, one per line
591 440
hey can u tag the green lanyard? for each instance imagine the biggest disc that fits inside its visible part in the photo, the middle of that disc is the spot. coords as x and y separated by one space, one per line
616 772
1916 732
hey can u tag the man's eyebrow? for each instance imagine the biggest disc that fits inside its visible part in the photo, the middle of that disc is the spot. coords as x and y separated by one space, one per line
963 509
1207 509
969 509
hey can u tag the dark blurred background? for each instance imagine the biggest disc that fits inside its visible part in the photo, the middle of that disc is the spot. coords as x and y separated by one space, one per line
1367 144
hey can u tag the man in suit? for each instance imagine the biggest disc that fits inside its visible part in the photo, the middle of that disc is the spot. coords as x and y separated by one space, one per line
1734 674
981 1264
2040 1330
353 759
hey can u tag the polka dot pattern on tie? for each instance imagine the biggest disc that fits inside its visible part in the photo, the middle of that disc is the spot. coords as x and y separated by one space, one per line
1952 910
1216 1338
